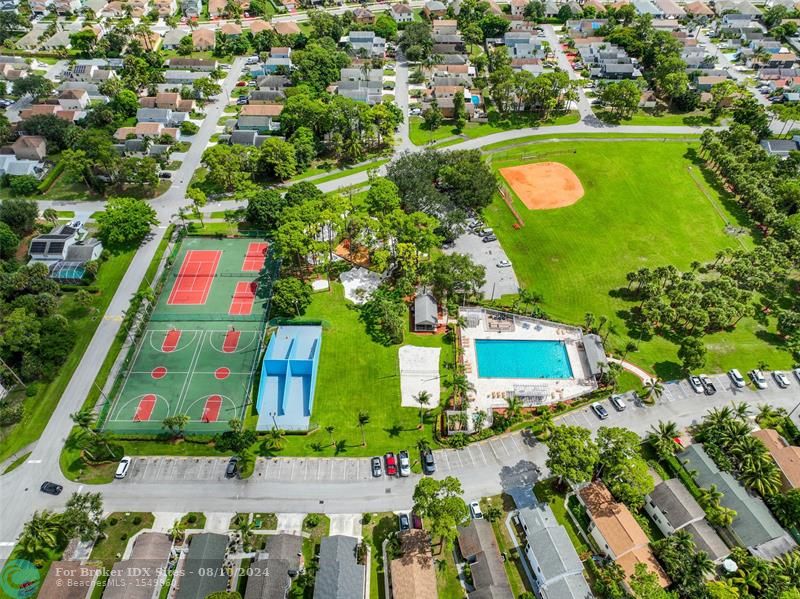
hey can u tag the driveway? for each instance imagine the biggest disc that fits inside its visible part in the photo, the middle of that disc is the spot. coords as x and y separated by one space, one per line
499 281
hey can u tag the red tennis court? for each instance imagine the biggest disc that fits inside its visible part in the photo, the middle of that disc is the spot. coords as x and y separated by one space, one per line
231 342
255 257
194 280
145 408
171 341
212 408
243 298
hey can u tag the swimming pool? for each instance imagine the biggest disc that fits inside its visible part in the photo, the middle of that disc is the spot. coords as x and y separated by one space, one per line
522 359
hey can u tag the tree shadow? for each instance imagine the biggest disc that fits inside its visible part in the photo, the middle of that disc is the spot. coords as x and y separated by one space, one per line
668 370
394 430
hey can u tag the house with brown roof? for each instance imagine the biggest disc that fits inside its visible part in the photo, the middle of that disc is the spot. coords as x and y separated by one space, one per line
168 100
413 574
286 28
67 579
445 27
30 147
478 545
204 39
143 571
37 110
259 25
786 456
142 130
518 8
617 533
363 16
231 29
260 117
73 99
698 9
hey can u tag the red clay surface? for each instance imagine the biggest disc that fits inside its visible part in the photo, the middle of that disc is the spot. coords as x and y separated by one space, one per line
193 283
255 257
212 408
544 185
145 408
231 342
171 341
243 298
159 372
222 373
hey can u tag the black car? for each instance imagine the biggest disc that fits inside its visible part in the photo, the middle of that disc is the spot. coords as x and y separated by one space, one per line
165 175
405 522
232 468
708 386
428 464
51 488
377 468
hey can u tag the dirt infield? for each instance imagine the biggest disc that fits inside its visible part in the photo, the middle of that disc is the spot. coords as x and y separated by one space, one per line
544 185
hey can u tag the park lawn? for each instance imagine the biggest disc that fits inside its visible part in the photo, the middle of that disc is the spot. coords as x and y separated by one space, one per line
642 208
420 136
40 406
356 374
381 526
533 139
696 118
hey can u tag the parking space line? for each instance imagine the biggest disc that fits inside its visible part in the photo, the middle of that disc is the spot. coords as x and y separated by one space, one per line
447 457
503 443
483 455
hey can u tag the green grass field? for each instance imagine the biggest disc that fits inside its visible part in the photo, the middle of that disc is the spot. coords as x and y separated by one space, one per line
641 209
357 374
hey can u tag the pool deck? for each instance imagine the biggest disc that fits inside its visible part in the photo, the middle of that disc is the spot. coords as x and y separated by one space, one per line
491 393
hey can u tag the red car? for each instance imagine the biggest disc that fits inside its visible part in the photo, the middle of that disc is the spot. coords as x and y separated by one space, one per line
391 464
241 83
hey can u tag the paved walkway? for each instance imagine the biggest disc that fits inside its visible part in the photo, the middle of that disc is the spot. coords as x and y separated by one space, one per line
643 375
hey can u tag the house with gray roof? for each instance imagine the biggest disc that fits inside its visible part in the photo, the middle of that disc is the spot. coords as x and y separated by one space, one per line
203 569
478 545
553 559
172 38
275 567
339 575
673 508
426 312
754 526
143 571
165 116
645 7
365 41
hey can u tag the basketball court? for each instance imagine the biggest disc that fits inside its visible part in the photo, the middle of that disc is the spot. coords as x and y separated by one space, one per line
198 354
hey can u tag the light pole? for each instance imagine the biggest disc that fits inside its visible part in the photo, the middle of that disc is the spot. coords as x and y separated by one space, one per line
274 423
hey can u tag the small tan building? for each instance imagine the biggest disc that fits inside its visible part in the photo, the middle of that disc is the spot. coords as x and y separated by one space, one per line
30 147
204 39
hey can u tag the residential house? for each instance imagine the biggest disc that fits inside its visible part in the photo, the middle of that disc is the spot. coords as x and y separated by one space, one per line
146 130
728 8
68 579
244 138
401 13
434 9
426 312
339 575
280 59
204 39
362 87
30 40
272 83
365 42
232 29
73 99
182 77
782 60
272 575
478 545
585 27
96 6
192 8
38 110
445 26
754 526
448 43
165 116
30 147
60 39
518 8
706 82
672 508
617 533
781 147
645 7
193 64
260 117
168 100
11 165
363 16
165 8
67 7
286 28
669 9
67 244
523 44
598 6
551 555
413 574
203 571
259 25
786 456
144 570
698 9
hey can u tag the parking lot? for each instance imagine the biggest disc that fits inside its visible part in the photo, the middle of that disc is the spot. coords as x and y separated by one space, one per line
158 469
499 281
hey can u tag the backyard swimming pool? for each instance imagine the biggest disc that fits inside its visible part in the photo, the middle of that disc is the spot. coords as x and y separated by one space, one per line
522 359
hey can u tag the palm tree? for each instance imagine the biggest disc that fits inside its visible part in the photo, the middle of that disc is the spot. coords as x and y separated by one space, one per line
662 438
423 445
50 215
768 412
245 528
762 477
655 389
718 416
276 438
721 516
741 410
461 385
630 346
177 530
83 419
363 420
546 424
423 398
329 429
513 409
710 497
40 533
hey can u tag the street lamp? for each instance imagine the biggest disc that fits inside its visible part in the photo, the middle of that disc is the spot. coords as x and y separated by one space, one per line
272 415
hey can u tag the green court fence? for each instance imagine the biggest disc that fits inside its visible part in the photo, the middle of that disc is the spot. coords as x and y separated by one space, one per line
156 317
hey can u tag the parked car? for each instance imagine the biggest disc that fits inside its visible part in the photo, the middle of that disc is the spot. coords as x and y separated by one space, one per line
504 264
165 175
487 231
796 373
758 378
391 464
617 402
241 84
405 521
377 469
416 521
122 468
428 463
599 410
475 509
405 463
489 238
51 488
708 386
781 379
232 468
696 384
242 100
736 378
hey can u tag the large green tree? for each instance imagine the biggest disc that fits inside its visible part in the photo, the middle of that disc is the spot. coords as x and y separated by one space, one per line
572 454
125 222
439 502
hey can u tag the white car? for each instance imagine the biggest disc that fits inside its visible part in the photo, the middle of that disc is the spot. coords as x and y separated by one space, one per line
736 378
696 384
780 379
405 463
475 508
122 469
504 264
758 378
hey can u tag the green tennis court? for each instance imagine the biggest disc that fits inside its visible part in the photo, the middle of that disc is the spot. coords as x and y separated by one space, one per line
199 351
